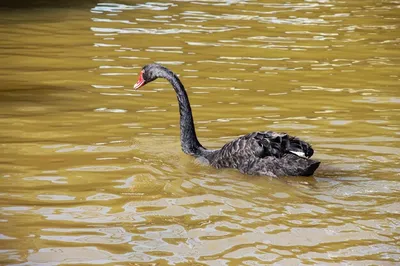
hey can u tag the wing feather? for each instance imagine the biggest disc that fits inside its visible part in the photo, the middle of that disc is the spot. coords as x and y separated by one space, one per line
266 153
267 143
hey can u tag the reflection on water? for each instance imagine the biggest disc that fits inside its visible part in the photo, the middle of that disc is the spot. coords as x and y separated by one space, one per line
92 171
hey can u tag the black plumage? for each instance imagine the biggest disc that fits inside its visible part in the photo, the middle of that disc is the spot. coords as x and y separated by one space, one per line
259 153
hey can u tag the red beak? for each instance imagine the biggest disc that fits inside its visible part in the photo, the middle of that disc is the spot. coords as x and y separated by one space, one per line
140 81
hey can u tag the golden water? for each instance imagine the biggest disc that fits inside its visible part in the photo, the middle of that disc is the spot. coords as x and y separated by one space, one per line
91 171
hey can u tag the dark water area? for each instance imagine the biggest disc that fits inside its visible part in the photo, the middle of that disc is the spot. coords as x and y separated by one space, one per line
42 4
92 171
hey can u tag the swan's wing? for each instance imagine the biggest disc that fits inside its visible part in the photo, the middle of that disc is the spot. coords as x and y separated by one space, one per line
267 143
267 153
279 144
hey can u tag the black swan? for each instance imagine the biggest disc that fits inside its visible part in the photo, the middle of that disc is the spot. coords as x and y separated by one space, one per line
264 153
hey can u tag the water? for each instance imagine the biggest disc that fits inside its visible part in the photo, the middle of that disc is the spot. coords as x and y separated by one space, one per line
92 171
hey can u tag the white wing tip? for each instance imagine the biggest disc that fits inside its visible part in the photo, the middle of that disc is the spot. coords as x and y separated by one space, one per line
299 153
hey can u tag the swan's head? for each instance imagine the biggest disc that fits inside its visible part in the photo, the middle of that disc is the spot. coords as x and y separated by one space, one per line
151 72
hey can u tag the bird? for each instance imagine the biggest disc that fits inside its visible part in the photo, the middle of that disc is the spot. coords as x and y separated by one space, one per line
263 153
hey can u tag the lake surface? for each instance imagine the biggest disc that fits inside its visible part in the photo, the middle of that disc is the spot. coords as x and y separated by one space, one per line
92 172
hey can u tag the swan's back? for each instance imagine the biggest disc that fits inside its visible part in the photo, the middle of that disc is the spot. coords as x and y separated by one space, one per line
266 153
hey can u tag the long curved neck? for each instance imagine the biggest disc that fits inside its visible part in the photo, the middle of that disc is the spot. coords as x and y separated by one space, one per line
190 143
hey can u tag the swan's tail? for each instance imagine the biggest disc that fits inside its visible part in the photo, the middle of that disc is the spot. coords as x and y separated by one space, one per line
294 165
312 166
